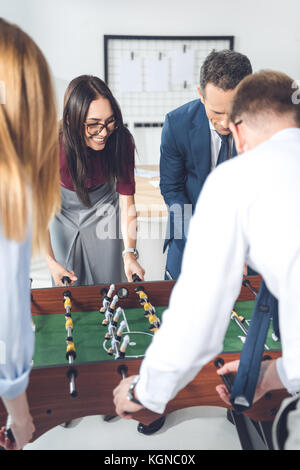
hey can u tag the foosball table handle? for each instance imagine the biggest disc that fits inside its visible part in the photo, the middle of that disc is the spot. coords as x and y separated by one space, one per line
8 432
136 278
228 379
122 370
246 283
66 281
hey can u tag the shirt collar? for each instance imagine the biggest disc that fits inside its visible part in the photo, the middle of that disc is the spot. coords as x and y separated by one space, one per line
212 128
286 133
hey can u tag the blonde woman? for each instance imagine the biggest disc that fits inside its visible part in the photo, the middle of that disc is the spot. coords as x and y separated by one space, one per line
29 197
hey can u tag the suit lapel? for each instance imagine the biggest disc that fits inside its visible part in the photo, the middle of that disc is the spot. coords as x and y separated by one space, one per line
200 143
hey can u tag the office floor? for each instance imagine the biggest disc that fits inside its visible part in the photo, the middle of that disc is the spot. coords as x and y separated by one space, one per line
198 428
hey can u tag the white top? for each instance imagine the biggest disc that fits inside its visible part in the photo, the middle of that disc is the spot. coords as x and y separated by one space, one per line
248 211
16 335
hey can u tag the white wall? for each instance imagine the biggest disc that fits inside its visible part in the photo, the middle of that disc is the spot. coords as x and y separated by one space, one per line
70 32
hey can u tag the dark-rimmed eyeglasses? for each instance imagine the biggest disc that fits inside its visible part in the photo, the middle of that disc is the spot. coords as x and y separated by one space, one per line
96 128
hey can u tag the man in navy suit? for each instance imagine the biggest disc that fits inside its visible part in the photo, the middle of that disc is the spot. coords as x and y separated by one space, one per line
195 138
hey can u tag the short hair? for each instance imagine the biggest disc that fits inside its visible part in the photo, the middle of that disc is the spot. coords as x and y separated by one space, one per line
224 69
266 91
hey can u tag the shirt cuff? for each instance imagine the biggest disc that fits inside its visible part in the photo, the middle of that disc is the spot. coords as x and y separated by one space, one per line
156 388
292 386
147 400
11 389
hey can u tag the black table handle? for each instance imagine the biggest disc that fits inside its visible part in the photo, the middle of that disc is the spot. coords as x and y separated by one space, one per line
8 432
227 379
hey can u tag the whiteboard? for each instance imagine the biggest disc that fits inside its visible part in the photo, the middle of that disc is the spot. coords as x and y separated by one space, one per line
151 75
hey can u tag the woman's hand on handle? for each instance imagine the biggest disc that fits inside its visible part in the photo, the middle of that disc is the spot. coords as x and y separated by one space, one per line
131 266
58 272
21 425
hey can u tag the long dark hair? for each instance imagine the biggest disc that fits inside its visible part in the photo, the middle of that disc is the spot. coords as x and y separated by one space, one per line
119 147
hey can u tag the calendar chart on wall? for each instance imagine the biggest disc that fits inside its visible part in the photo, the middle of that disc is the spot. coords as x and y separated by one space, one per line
151 75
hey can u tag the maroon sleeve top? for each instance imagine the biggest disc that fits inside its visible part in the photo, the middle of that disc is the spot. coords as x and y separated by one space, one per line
95 176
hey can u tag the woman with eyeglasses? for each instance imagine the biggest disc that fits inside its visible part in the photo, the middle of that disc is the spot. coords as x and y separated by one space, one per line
29 198
97 190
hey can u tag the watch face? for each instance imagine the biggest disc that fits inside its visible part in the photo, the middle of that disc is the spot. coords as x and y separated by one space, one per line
134 382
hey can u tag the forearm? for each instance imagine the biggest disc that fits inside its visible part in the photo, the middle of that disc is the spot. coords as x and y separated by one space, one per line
129 233
179 206
128 221
268 379
172 166
18 409
58 271
292 387
21 423
49 255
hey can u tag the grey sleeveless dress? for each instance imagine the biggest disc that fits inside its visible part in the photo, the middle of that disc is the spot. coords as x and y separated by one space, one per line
87 240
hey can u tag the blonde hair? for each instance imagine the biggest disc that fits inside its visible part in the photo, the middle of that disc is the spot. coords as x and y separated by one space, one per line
28 138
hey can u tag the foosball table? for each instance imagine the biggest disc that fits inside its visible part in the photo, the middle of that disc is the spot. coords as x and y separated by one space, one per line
87 338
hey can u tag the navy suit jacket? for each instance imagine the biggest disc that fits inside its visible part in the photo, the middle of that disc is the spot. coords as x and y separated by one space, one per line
185 163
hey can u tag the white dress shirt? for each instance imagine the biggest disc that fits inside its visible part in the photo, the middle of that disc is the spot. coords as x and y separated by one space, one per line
16 335
248 211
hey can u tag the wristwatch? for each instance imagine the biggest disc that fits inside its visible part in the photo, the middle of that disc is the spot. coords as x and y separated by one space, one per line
130 394
131 250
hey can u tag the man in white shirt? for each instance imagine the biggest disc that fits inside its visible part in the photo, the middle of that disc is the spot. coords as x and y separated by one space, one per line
248 212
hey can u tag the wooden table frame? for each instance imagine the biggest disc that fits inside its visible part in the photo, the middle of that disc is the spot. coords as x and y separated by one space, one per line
48 390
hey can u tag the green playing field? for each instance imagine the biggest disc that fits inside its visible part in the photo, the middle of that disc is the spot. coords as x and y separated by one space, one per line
89 335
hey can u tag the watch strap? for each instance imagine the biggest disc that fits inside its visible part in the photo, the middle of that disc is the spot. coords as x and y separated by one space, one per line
131 250
130 393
